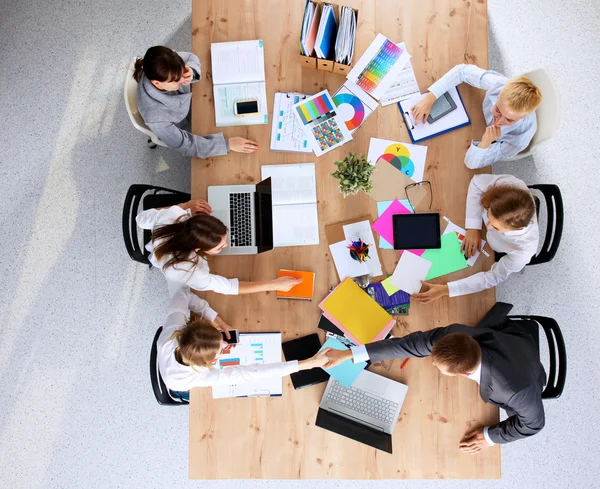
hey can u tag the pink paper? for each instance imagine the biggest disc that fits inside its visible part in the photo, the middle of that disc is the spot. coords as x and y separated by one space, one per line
384 226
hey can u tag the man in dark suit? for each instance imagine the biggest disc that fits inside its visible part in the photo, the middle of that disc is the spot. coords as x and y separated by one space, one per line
502 358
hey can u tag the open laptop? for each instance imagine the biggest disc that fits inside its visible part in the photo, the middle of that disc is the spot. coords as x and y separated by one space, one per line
366 412
247 211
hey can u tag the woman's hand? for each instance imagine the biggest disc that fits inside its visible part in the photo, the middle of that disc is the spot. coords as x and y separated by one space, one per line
471 243
335 357
491 134
318 360
285 283
223 326
422 109
188 76
197 206
242 145
432 293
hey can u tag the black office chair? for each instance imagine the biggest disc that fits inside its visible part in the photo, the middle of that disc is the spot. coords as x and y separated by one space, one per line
162 394
146 197
556 344
554 205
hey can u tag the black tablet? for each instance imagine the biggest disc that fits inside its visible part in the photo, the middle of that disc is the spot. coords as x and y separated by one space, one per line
301 349
416 231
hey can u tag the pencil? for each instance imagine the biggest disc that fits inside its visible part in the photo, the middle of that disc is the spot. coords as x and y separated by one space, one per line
404 363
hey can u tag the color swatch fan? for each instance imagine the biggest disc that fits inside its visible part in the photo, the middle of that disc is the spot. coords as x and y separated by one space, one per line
324 127
408 158
354 105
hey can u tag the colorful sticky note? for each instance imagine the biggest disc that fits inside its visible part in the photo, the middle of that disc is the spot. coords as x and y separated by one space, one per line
384 225
447 259
389 288
381 207
347 372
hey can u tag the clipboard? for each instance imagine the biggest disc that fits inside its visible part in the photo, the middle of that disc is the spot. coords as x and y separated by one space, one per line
335 233
442 125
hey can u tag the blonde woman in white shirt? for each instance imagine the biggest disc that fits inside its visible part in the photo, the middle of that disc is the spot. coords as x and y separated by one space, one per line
183 237
187 352
506 207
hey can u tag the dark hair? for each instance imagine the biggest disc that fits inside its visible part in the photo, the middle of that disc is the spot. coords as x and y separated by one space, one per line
458 352
160 64
513 206
184 236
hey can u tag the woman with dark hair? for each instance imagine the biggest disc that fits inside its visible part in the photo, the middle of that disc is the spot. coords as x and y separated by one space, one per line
183 237
164 98
505 205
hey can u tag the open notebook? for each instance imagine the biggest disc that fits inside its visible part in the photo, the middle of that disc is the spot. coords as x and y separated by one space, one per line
295 218
238 72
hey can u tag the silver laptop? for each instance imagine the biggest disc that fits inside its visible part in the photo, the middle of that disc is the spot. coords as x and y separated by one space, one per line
247 211
366 412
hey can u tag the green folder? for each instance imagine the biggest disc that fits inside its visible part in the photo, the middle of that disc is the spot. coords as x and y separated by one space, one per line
449 258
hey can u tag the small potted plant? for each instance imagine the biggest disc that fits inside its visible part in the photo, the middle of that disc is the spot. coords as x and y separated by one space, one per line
354 173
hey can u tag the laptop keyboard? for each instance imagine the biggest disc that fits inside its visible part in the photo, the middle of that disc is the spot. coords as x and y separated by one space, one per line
357 400
240 219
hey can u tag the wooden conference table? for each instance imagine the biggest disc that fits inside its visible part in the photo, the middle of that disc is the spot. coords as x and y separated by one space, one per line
275 438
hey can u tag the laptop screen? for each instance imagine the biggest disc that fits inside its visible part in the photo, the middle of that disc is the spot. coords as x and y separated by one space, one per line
264 216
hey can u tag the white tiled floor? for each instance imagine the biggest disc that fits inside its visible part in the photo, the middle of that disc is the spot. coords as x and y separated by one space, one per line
77 315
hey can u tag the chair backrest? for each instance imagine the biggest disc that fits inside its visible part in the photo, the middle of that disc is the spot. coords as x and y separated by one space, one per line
553 234
161 392
143 197
556 348
548 113
130 96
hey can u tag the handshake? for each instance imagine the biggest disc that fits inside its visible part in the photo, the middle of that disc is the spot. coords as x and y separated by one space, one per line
326 358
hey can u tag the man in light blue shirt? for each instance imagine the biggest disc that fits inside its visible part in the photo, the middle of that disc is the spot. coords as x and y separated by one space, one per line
508 107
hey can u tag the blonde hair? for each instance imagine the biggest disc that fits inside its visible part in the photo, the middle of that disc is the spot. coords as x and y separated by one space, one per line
199 342
514 206
521 95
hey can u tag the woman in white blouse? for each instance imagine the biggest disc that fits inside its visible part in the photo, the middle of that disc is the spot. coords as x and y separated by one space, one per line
183 236
506 207
187 352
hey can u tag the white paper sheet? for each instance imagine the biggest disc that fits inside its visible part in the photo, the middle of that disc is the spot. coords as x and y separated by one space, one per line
344 264
350 99
421 131
292 183
295 225
237 62
404 85
362 230
453 228
411 269
227 95
287 133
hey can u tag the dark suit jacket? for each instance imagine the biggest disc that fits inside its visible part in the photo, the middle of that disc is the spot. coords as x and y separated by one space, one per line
512 376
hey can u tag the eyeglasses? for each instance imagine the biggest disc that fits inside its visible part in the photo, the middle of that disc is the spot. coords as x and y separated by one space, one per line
424 184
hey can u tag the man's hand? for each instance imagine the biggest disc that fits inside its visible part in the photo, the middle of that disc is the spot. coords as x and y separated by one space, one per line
223 326
473 442
471 243
492 133
318 360
335 357
432 293
188 76
422 109
285 283
242 145
197 207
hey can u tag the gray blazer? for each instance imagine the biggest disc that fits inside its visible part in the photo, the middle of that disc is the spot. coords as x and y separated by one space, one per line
167 115
512 376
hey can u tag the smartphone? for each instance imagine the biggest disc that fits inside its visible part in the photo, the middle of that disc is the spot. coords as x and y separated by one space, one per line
246 107
441 107
235 336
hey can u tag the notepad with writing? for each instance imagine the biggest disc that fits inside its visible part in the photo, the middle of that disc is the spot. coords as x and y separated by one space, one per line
238 73
355 313
304 290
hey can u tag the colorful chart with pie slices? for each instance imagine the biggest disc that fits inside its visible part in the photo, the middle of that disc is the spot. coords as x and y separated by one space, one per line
358 110
398 156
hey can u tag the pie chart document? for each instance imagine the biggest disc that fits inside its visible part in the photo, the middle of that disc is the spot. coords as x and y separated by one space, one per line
354 105
407 158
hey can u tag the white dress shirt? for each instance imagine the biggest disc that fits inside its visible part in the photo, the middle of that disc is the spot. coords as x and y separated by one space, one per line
520 246
360 354
198 277
180 377
513 139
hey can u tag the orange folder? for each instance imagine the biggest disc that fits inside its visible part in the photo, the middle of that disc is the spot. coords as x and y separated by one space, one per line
303 290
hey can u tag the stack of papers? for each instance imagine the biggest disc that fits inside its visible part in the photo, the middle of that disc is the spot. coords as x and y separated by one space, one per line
378 67
326 34
294 193
310 24
354 105
379 294
347 372
344 44
287 133
404 85
382 206
384 225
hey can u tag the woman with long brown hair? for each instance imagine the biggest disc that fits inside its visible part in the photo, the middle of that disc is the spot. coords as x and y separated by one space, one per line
184 236
505 205
187 351
164 98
